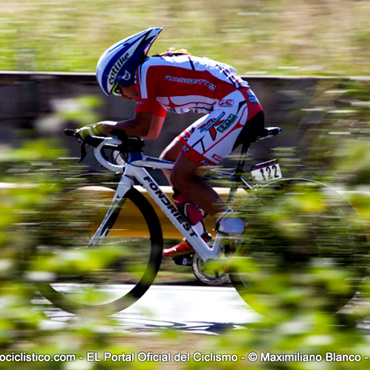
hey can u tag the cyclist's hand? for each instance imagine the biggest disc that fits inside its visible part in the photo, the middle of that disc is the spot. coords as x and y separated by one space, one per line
87 131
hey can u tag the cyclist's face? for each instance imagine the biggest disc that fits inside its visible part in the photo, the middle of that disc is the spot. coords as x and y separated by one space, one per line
127 92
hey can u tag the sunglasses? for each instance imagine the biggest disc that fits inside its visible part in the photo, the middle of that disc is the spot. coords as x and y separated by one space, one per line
116 90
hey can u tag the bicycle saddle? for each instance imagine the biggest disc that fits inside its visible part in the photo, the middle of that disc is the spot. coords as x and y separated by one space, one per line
268 132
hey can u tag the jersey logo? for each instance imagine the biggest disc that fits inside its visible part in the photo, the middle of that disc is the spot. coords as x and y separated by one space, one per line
218 124
252 97
227 123
205 163
217 157
211 125
193 81
226 103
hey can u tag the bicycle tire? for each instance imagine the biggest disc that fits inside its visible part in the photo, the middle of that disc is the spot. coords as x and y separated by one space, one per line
267 255
132 265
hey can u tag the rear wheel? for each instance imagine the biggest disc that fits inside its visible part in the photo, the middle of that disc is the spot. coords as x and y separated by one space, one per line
108 276
302 241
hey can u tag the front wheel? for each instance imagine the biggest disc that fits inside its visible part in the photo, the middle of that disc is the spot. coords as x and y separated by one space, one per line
108 276
303 249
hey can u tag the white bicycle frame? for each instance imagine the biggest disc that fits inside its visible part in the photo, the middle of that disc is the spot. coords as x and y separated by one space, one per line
134 169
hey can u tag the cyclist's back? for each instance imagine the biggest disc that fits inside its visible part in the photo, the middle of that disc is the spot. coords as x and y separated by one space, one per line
180 83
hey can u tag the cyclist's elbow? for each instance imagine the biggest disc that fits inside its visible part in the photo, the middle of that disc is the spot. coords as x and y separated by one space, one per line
147 131
144 131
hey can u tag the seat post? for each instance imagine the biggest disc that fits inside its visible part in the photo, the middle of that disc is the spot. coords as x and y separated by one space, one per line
236 177
243 156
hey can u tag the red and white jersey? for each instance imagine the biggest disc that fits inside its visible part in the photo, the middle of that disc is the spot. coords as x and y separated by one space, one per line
182 83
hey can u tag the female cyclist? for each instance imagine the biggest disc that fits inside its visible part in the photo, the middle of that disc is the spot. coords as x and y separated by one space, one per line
179 82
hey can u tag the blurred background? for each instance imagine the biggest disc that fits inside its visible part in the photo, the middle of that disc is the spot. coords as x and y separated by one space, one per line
258 37
307 61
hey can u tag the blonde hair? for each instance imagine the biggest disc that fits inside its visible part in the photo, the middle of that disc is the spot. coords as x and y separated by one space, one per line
171 51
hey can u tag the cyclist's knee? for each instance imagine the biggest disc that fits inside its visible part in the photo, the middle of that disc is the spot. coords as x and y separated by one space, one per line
184 174
179 180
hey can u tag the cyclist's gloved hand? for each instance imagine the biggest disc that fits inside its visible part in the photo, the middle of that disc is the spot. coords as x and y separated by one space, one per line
86 131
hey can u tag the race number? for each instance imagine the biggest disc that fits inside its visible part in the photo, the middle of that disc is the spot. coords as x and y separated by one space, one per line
266 171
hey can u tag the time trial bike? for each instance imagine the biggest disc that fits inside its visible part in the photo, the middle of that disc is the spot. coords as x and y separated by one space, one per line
106 255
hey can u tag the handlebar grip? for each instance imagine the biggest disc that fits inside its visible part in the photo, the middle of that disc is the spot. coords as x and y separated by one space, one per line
94 141
69 131
91 140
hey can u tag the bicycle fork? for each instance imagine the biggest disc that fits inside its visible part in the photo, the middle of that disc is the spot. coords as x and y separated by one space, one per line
110 218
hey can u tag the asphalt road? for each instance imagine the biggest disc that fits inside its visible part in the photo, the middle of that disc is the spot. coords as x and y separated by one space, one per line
199 309
195 309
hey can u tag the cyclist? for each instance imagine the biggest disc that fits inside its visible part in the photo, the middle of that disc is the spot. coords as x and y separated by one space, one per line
179 82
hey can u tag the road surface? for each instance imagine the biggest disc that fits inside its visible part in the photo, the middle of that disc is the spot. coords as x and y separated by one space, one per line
200 309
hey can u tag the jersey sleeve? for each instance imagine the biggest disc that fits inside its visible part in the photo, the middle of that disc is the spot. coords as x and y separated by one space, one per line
146 97
151 106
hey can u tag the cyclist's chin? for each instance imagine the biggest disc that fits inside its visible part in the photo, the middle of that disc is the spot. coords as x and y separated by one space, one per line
125 97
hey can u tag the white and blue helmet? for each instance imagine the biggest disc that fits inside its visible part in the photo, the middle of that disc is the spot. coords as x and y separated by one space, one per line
120 61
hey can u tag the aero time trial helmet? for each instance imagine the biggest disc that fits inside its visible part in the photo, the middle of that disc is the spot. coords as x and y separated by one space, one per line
120 61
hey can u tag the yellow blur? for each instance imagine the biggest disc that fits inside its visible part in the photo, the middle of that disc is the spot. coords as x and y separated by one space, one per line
133 225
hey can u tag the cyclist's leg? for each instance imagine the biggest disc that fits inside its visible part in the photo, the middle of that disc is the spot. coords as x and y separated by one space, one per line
173 150
206 143
187 207
192 211
185 179
186 182
170 153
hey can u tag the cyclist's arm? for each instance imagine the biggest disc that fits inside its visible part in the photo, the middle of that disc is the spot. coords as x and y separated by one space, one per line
145 125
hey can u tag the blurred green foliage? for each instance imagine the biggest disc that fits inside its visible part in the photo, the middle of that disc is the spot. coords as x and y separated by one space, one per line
328 133
295 322
258 37
304 241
